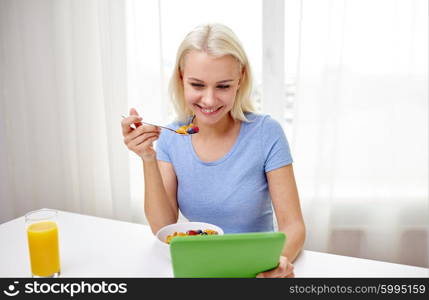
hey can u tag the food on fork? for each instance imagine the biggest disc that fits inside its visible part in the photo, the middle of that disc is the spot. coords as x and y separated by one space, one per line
188 129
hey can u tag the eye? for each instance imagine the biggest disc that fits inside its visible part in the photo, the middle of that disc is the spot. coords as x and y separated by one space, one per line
197 85
223 87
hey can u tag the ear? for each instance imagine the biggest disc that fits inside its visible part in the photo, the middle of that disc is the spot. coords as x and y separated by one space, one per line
180 74
243 73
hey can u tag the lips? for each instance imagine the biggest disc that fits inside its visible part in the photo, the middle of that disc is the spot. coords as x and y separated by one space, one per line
209 111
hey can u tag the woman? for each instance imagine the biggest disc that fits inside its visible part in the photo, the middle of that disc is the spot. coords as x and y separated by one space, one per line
236 168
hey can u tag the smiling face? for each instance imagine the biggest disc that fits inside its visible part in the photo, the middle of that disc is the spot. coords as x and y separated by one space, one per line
210 85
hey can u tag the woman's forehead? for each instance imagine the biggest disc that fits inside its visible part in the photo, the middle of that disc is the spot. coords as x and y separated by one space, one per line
199 63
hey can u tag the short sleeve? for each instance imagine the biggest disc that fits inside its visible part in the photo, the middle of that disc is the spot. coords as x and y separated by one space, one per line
162 143
275 145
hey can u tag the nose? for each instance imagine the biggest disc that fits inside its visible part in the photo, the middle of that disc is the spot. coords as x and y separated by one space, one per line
209 98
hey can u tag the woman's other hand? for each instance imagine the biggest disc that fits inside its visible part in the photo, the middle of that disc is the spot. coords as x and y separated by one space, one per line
283 270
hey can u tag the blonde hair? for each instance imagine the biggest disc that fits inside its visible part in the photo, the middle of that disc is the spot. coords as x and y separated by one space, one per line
216 40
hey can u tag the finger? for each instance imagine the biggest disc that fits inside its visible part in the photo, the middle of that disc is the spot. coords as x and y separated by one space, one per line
283 269
133 112
142 130
148 143
126 124
289 270
141 139
275 273
139 131
138 141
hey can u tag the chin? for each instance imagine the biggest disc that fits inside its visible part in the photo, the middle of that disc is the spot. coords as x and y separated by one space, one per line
209 120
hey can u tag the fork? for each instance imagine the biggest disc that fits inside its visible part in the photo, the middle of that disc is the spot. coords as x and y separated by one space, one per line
157 126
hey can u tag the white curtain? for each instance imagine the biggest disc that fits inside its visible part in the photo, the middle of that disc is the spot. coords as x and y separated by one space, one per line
361 128
146 83
63 89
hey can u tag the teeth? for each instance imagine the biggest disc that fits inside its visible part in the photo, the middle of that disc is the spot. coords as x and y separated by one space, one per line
208 110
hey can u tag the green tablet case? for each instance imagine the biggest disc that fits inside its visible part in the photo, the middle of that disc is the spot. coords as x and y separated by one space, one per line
241 255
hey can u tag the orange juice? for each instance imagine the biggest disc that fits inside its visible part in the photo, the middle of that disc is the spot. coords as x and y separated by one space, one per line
44 250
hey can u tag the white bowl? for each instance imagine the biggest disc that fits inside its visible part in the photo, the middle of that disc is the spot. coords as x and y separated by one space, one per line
161 235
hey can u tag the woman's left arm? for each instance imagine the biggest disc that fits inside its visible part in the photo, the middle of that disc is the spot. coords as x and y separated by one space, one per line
284 195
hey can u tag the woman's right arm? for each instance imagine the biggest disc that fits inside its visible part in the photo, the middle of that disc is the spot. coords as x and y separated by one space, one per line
159 177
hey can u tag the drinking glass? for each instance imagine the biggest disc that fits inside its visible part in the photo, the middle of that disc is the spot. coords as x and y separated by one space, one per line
42 234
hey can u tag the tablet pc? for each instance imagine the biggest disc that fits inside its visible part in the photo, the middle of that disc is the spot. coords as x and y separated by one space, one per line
241 255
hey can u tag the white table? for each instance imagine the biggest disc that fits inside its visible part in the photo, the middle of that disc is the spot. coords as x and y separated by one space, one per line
97 247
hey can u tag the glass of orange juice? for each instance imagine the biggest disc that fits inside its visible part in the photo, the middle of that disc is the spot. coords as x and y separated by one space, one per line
42 234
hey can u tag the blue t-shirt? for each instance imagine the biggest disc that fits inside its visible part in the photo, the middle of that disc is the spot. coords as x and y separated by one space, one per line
231 192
